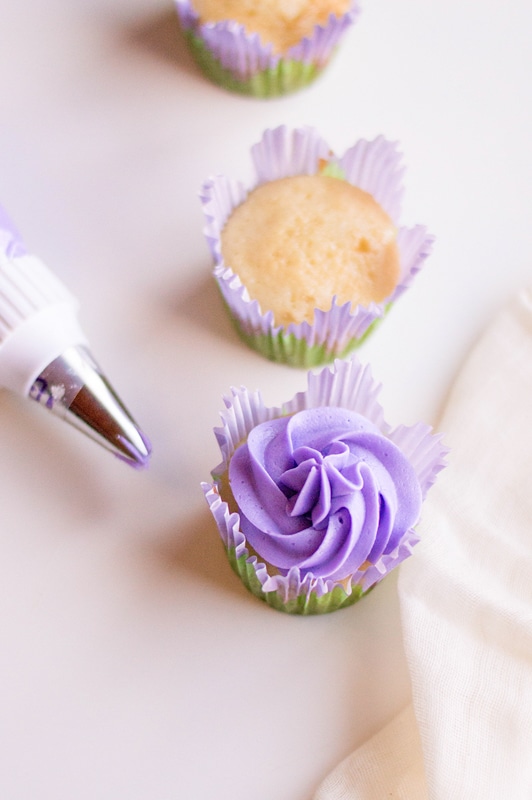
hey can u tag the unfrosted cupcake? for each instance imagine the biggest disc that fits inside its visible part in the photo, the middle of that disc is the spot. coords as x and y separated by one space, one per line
264 49
311 258
317 501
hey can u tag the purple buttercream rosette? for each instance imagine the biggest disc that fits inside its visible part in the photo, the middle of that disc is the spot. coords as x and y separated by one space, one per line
374 166
327 493
238 60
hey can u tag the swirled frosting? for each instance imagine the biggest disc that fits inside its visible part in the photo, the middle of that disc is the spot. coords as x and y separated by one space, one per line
323 490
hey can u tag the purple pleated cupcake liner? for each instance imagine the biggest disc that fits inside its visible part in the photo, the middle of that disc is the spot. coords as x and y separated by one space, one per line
374 166
346 384
243 54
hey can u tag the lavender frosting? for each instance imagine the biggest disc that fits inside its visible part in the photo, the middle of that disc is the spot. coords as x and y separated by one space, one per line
324 491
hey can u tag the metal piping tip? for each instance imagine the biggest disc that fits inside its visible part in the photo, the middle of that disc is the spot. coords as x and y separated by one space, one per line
74 388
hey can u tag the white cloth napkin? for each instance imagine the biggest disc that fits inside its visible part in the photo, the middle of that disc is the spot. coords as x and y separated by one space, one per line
466 599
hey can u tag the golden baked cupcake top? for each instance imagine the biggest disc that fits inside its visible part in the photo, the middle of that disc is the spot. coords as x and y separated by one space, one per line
282 23
297 242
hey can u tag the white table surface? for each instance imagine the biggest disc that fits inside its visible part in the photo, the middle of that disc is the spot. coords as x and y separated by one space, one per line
133 663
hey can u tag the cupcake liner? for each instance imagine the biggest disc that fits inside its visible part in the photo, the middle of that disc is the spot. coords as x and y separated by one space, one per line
346 384
374 166
240 62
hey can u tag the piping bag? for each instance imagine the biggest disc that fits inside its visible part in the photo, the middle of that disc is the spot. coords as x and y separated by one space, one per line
45 355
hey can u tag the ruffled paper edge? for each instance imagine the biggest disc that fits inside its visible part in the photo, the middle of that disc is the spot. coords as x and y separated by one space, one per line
346 384
244 54
374 166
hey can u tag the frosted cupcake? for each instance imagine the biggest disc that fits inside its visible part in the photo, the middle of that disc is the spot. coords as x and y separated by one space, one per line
312 257
264 49
317 501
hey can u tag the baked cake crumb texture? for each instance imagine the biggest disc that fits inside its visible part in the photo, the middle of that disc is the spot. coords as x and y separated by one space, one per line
297 242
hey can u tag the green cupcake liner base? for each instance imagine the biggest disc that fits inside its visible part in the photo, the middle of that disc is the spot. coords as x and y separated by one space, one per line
288 76
303 605
286 348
